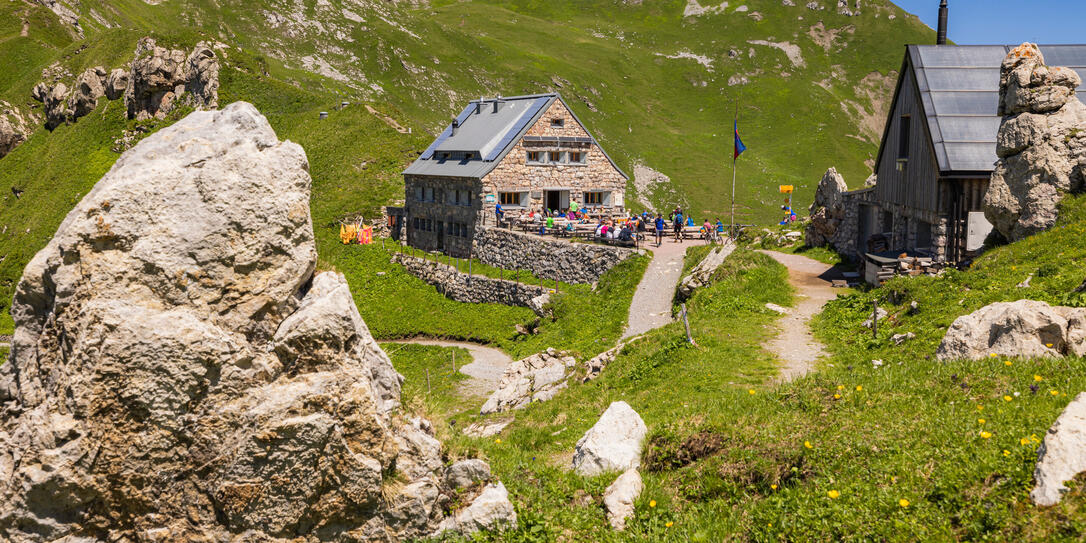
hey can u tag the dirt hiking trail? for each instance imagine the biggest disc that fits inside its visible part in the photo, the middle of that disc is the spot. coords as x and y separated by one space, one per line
485 369
651 305
794 344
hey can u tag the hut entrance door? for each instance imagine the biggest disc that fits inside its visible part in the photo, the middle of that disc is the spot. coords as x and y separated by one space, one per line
557 200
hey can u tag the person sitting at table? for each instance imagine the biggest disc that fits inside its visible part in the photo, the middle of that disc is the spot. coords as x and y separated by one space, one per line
625 234
601 229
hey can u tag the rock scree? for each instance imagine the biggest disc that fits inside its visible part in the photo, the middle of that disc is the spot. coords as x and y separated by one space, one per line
178 372
1041 144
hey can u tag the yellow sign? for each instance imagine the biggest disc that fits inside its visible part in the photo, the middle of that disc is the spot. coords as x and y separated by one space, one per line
786 189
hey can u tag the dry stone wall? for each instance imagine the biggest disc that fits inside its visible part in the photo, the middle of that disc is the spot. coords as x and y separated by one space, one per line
474 289
546 258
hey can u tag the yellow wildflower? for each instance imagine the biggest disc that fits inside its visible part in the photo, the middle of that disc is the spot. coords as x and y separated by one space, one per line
859 388
1024 441
840 387
1038 378
993 355
808 444
751 391
773 487
1007 398
833 494
980 421
498 441
1006 452
985 435
1049 345
837 396
893 478
1007 362
668 524
980 408
652 503
903 502
1054 392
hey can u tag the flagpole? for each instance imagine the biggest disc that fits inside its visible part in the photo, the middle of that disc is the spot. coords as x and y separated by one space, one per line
734 159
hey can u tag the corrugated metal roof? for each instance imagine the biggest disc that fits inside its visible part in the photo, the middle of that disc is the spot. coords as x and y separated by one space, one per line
488 136
959 89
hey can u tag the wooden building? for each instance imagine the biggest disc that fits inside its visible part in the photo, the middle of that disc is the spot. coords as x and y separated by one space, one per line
524 152
939 149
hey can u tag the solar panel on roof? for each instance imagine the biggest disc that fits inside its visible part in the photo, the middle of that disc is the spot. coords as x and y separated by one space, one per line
522 122
934 55
966 103
1064 55
969 129
971 156
984 79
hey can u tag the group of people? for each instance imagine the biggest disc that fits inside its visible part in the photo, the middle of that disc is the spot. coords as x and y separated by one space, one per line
622 229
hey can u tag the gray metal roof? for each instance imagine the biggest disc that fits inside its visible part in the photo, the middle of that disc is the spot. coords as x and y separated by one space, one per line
959 90
488 135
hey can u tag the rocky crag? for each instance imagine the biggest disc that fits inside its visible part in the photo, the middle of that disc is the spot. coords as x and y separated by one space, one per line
180 373
1041 144
827 211
157 81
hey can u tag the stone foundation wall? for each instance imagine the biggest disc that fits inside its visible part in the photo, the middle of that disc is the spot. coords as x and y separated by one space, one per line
474 289
546 258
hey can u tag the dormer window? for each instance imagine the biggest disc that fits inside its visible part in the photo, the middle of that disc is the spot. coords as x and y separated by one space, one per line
469 156
558 123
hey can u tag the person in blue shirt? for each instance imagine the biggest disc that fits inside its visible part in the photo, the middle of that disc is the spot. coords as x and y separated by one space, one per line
677 220
499 213
659 229
690 221
719 226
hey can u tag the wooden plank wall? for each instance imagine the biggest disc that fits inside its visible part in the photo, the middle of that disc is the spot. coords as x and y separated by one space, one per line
917 186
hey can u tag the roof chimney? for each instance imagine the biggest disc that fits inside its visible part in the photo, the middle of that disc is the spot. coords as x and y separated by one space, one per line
455 125
940 38
496 101
479 105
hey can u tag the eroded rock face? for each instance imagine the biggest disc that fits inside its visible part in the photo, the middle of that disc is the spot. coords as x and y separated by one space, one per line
613 443
1062 455
490 510
177 371
1025 328
57 109
1041 144
161 77
10 136
89 87
116 83
828 209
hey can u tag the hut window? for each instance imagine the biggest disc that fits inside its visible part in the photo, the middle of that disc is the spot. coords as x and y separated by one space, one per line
903 138
558 123
535 157
554 156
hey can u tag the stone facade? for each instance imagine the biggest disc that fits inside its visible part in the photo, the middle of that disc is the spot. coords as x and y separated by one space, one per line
546 258
442 213
596 175
474 289
553 163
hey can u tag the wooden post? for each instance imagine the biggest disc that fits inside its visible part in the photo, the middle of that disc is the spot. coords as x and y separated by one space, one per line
686 323
454 362
427 381
875 319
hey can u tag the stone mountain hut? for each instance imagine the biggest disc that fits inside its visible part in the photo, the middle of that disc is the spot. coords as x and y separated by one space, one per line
526 152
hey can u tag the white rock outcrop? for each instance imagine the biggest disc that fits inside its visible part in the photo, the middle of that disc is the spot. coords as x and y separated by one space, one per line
89 87
465 473
828 209
1041 144
534 379
177 371
1025 328
619 498
700 275
1062 454
613 444
160 78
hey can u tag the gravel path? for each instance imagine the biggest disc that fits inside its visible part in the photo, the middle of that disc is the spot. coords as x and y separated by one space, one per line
651 305
794 344
485 369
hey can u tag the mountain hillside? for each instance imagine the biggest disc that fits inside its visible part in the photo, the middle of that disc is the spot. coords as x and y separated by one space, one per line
657 82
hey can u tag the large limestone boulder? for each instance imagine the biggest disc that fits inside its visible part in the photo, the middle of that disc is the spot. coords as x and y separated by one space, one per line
1062 455
160 78
116 83
89 87
534 379
1025 328
10 136
613 444
1041 144
619 498
179 373
828 209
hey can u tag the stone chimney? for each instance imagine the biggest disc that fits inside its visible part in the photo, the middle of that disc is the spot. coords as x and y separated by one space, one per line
940 37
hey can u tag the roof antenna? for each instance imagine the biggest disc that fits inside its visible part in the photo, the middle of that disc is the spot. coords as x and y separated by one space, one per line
479 105
496 100
940 37
455 125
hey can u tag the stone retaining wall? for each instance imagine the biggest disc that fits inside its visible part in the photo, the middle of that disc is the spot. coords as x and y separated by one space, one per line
547 258
475 289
